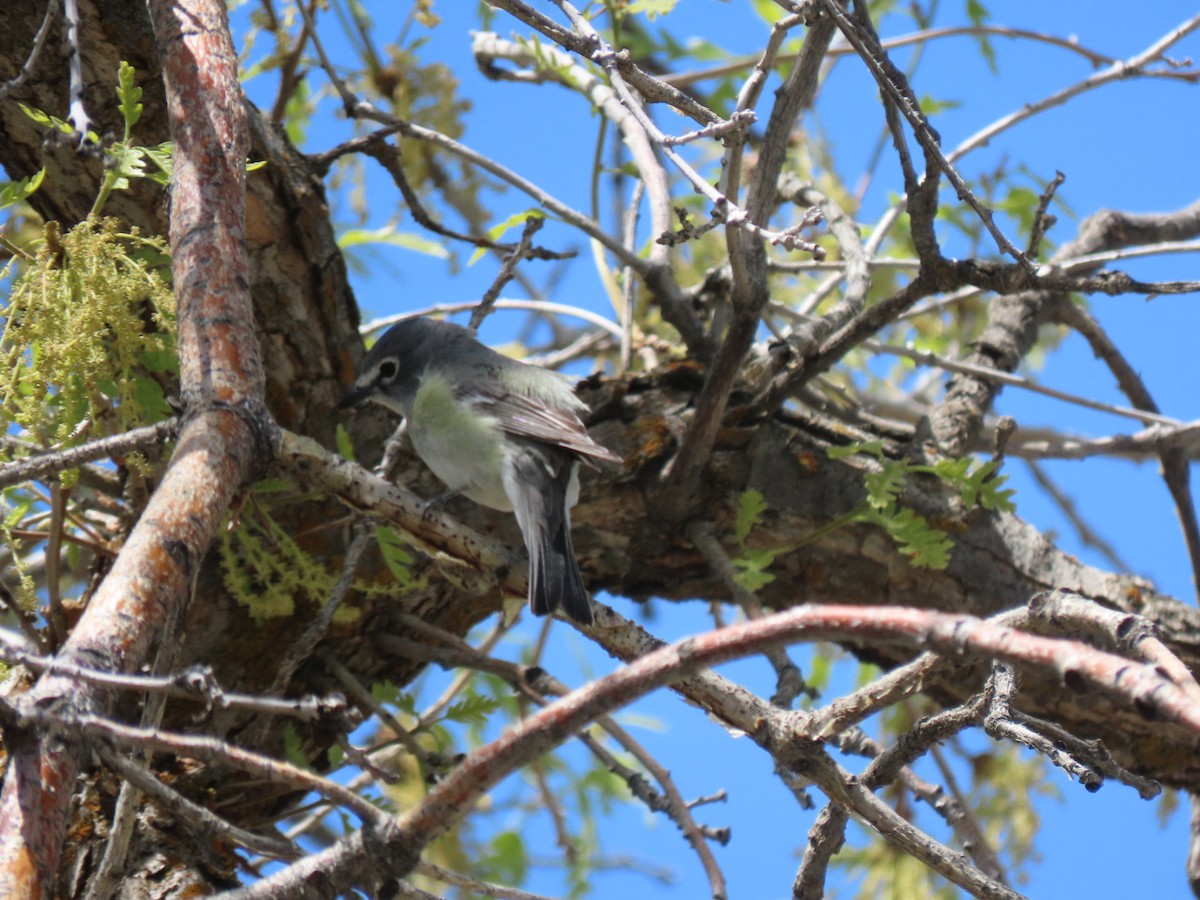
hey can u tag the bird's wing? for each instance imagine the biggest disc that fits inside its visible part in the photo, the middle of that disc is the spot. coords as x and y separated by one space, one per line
528 417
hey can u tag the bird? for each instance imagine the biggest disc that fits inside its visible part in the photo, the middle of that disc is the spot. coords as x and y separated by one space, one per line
503 433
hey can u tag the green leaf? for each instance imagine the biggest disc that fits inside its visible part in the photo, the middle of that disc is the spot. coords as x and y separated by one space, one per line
871 448
129 95
386 692
752 571
46 119
926 546
497 231
345 444
128 162
335 754
883 487
19 510
931 106
506 860
984 488
162 157
651 8
751 506
148 394
160 360
15 191
1021 203
388 235
976 12
769 11
979 15
394 552
472 710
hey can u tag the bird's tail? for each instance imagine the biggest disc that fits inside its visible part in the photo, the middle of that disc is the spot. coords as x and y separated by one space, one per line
555 581
554 577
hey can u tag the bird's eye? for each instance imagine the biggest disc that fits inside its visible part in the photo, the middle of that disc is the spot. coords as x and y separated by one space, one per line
387 370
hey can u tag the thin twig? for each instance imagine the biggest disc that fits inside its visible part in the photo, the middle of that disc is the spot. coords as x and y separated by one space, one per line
1148 417
789 681
194 684
303 648
1118 70
877 63
507 268
39 41
36 468
203 823
476 887
216 751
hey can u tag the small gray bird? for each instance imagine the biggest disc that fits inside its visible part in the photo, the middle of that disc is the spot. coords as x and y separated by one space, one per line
500 432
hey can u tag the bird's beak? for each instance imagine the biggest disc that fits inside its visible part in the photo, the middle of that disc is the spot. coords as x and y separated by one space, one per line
356 396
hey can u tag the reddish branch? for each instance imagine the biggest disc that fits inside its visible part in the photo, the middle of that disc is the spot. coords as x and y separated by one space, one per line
1079 666
222 382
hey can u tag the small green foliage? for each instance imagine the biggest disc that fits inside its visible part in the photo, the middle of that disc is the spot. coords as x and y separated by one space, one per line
888 871
124 160
870 448
54 122
652 8
505 860
1021 203
88 325
15 191
395 553
387 693
498 230
753 563
752 568
268 572
924 545
406 240
931 106
751 506
768 11
548 61
129 96
472 710
884 486
978 14
15 504
336 755
345 444
976 485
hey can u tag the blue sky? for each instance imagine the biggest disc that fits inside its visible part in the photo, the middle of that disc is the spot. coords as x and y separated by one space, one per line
1128 146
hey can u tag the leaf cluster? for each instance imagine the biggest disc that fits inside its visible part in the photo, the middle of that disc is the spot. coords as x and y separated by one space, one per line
89 335
269 572
925 545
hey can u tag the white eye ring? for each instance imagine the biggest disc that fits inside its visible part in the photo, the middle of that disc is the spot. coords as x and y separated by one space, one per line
387 369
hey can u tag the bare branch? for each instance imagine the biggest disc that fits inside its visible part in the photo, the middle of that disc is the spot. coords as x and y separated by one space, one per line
36 468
